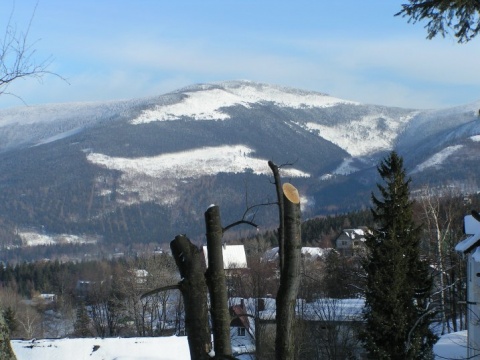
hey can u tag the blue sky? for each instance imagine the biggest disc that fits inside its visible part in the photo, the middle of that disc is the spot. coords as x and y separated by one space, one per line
351 49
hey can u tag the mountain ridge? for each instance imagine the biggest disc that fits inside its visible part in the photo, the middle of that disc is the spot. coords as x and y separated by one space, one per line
144 170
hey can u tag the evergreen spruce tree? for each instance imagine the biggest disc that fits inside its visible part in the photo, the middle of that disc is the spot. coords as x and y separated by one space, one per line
397 313
6 352
82 322
10 319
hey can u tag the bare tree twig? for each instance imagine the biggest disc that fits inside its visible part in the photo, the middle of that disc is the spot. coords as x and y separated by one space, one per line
17 57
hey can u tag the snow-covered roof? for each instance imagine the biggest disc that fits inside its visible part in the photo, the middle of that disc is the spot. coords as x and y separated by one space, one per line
476 255
325 310
141 273
355 233
468 243
312 252
233 256
472 227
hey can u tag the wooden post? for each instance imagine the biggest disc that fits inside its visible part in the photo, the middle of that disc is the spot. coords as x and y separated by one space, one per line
189 260
217 284
289 277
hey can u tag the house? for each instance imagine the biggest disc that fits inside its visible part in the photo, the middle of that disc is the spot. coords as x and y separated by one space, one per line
350 241
325 328
48 298
470 247
233 257
83 288
140 275
242 331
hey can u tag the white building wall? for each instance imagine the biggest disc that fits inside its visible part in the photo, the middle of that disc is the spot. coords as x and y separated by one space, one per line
473 306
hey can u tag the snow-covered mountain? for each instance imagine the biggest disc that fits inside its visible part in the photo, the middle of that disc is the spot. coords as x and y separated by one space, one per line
143 170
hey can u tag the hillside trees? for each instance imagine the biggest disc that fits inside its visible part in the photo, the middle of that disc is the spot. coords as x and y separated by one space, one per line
398 311
462 16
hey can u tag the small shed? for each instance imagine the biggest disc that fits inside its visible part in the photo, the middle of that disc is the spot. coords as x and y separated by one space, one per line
470 247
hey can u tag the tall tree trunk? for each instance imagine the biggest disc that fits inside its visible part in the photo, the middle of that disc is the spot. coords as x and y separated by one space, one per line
217 284
193 287
289 276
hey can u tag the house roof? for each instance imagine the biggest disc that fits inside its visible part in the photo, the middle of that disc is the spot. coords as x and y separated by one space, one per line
325 310
240 314
476 255
233 256
312 252
472 228
354 233
467 244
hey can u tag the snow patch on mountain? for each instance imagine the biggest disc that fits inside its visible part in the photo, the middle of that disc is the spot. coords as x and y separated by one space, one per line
437 159
345 168
206 103
156 178
475 138
367 135
33 238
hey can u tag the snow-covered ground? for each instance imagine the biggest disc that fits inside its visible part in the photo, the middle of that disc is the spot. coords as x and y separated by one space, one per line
32 238
158 348
450 346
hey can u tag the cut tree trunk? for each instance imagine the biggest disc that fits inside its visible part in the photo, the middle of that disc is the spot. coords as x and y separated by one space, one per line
189 260
281 230
289 276
217 284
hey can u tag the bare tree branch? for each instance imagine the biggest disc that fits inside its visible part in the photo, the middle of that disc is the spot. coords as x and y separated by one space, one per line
160 289
17 57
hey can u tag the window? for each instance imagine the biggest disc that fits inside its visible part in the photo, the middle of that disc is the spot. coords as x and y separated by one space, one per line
241 331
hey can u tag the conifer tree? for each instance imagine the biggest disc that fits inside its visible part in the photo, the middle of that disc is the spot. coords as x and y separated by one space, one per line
10 319
82 322
397 313
6 352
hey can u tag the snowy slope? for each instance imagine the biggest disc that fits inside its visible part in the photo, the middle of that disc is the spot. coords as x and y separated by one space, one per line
84 165
205 102
138 174
364 136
